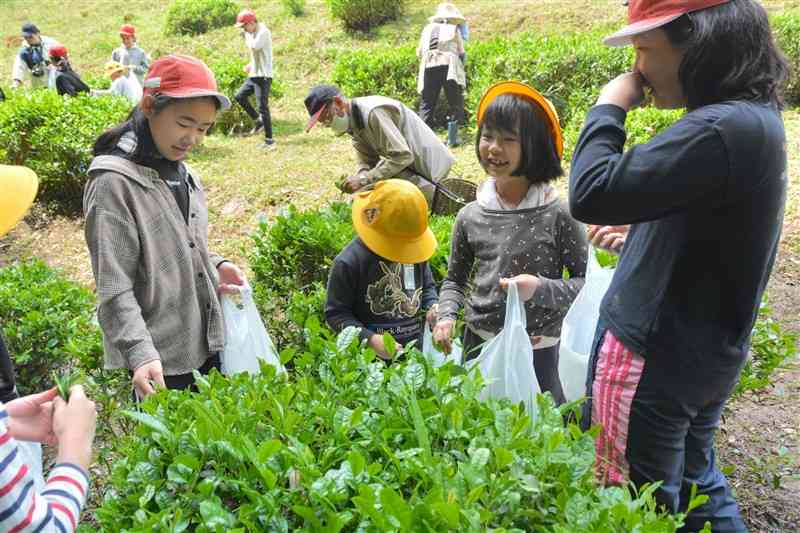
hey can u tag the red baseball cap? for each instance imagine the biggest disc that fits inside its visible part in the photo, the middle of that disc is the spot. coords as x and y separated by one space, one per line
58 50
127 29
181 76
646 15
245 16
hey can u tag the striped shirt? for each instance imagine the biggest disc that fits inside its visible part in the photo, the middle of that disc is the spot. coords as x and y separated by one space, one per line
22 509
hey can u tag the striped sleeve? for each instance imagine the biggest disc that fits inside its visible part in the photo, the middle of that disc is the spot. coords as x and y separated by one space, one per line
22 509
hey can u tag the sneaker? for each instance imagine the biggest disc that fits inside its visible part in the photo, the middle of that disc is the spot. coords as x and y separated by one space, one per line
268 144
257 127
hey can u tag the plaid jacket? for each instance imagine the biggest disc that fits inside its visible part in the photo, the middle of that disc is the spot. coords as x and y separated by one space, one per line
156 280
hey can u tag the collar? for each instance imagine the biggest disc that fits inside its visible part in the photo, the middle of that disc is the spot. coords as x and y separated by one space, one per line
538 194
149 154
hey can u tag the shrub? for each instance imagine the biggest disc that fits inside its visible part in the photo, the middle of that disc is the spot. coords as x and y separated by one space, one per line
54 135
786 28
230 75
770 348
347 443
295 8
48 324
364 15
193 17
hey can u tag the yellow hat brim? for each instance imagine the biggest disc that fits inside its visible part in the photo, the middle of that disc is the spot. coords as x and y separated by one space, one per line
19 186
520 89
408 251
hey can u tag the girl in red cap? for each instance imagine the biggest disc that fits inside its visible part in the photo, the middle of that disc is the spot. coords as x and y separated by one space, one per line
67 80
130 55
704 200
147 232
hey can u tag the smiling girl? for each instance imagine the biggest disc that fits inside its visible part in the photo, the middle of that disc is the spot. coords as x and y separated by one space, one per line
147 232
518 228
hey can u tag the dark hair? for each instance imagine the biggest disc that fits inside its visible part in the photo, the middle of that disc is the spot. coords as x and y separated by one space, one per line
539 162
136 121
729 54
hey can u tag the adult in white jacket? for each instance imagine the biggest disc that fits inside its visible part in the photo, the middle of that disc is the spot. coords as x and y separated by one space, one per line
258 40
31 62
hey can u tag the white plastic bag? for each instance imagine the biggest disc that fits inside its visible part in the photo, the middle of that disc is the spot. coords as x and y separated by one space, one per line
577 331
246 338
506 361
31 455
436 357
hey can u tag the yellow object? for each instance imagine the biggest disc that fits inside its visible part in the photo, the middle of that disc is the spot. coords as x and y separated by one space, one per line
520 89
18 186
392 220
115 66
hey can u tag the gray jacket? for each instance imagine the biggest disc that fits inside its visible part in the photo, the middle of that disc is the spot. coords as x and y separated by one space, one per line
156 280
136 58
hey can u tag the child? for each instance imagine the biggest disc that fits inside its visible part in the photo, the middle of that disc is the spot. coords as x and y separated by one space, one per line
130 55
121 84
258 40
147 232
67 80
517 225
42 417
382 281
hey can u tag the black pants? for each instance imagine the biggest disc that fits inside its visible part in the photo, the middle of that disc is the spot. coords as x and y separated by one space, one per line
259 86
186 381
545 364
435 79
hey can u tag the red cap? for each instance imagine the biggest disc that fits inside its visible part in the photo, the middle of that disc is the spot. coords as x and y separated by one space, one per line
245 16
646 15
128 29
58 50
182 77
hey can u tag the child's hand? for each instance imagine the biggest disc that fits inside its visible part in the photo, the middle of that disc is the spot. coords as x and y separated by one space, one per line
432 315
442 334
526 285
30 418
376 343
611 238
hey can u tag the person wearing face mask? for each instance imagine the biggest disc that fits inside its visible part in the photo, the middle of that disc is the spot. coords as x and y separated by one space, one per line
31 60
390 140
147 233
704 200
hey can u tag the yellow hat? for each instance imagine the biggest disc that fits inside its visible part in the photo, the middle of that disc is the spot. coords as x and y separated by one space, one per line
392 220
520 89
114 66
19 185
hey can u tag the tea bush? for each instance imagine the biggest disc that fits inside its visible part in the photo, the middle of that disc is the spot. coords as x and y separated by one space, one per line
54 135
230 75
364 15
786 28
296 8
48 324
347 443
192 17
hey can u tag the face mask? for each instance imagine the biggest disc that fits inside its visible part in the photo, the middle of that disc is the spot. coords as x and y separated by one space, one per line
340 124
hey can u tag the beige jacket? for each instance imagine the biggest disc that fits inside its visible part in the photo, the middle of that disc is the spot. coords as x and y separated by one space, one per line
392 141
450 46
156 280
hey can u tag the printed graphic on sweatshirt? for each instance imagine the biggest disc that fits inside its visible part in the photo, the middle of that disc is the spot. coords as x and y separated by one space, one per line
387 297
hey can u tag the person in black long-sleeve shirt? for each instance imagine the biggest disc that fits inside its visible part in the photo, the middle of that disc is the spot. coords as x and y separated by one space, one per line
381 282
704 200
67 80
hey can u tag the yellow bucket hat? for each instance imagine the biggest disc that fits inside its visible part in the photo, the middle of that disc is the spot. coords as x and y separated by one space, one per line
19 186
520 89
392 220
114 66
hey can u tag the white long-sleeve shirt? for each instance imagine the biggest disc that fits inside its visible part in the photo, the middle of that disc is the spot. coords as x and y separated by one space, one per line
260 45
22 508
127 86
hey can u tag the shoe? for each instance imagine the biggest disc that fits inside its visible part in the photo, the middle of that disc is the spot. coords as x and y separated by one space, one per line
269 144
257 127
